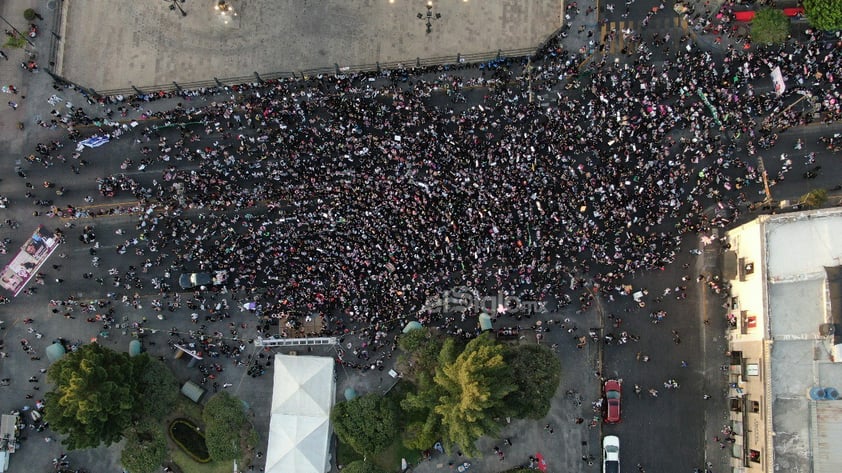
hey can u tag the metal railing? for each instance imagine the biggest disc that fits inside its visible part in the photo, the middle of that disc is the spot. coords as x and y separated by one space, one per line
417 63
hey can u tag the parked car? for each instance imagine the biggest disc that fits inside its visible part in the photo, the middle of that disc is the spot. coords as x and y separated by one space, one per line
611 454
191 280
613 396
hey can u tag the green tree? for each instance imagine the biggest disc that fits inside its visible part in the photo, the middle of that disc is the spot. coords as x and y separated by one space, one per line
421 350
425 424
224 418
424 427
814 198
825 15
769 26
95 396
158 387
361 466
536 372
145 449
475 387
368 424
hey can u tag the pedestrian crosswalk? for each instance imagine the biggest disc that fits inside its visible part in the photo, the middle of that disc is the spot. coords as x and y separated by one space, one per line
624 30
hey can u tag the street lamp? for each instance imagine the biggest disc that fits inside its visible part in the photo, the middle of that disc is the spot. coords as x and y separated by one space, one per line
225 10
429 16
175 4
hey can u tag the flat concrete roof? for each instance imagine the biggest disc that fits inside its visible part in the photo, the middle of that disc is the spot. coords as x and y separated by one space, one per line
796 309
826 451
143 43
799 246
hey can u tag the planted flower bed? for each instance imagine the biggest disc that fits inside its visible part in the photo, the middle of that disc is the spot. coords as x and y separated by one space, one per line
188 437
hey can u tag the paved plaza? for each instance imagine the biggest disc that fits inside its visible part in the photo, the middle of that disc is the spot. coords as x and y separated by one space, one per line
145 43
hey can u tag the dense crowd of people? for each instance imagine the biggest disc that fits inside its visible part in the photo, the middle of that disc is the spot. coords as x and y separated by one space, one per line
342 205
353 199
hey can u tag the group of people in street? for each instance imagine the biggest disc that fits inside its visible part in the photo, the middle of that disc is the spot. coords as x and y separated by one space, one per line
338 205
352 199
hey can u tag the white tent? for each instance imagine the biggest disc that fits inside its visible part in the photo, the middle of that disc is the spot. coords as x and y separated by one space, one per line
299 429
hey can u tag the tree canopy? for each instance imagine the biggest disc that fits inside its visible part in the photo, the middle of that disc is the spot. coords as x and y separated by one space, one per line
462 395
769 26
814 198
422 348
424 427
361 466
145 449
536 372
158 388
475 386
224 418
368 424
95 396
825 15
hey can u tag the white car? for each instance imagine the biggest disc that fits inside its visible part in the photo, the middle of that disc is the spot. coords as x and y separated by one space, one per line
611 454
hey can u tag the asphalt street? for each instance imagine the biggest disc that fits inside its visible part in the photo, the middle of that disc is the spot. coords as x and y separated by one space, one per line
670 432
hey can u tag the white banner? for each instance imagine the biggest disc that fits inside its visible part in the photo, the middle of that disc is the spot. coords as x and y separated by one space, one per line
778 80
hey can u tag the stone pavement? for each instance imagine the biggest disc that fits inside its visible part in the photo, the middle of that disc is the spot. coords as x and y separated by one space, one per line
147 44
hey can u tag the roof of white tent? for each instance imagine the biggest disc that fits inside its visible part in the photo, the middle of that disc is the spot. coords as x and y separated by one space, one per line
299 429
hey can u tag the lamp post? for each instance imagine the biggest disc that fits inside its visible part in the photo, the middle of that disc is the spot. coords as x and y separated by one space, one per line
175 4
226 11
429 17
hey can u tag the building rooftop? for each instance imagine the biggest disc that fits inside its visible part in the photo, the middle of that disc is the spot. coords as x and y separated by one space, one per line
802 253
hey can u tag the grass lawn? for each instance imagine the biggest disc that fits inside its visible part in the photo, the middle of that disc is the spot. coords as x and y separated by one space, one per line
345 454
188 465
186 408
390 459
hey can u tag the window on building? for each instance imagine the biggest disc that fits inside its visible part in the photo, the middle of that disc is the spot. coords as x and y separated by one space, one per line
755 407
754 455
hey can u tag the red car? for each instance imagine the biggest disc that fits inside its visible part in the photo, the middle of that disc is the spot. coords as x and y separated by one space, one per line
613 394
